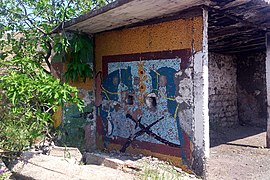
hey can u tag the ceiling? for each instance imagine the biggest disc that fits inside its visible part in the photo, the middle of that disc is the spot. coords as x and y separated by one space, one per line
233 25
238 26
126 12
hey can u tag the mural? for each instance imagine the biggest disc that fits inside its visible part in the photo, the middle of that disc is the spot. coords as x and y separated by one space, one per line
77 127
136 100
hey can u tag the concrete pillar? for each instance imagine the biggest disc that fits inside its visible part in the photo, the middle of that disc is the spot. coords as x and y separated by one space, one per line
267 63
201 117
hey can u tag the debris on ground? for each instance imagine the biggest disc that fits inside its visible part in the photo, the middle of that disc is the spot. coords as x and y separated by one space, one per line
139 165
68 163
36 166
4 172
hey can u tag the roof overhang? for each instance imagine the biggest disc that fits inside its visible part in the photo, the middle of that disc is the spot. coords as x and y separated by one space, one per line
126 12
234 25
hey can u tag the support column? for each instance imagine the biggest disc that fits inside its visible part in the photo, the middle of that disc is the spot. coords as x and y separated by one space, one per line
267 63
201 116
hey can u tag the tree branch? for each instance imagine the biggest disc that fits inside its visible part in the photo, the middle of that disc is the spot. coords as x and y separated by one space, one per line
49 53
26 15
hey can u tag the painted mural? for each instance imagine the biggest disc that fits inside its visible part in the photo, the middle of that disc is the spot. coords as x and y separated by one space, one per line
137 104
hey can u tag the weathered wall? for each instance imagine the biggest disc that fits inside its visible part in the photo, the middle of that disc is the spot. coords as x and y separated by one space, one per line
251 88
145 79
222 90
78 129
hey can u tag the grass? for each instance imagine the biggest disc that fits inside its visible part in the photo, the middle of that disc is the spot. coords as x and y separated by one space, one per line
4 175
159 171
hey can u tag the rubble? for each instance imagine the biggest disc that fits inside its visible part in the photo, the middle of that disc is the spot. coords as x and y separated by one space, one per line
144 167
38 166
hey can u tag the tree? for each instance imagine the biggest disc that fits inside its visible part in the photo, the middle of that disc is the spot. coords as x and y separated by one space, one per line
29 93
31 24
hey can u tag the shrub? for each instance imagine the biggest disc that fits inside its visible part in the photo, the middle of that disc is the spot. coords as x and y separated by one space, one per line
29 96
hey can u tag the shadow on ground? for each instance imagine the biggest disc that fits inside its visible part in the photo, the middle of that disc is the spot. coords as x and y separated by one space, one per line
238 153
226 135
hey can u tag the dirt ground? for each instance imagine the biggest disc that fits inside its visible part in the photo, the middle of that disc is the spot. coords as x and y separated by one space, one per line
238 153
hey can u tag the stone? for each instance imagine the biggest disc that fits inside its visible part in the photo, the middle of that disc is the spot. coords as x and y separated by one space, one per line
3 168
66 152
109 161
222 89
43 167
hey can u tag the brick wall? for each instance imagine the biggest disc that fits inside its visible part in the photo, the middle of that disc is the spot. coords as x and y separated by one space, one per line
251 87
222 90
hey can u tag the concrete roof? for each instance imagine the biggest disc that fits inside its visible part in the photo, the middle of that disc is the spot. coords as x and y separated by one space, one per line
125 12
233 25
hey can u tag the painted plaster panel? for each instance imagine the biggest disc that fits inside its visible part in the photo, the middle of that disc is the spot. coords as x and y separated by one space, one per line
131 76
171 35
142 98
78 128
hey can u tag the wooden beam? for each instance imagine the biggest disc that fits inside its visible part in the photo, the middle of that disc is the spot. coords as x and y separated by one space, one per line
225 49
237 41
234 51
238 19
228 32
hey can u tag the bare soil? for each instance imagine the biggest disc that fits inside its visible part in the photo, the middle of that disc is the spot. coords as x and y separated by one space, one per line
238 153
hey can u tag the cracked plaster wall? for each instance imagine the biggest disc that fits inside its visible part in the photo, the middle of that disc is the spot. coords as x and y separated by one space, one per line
237 89
78 129
118 48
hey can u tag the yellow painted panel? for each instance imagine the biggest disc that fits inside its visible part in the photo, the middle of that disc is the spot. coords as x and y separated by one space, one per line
171 35
57 117
87 85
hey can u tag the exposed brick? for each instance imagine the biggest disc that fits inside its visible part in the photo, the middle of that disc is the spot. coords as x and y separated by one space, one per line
251 87
222 90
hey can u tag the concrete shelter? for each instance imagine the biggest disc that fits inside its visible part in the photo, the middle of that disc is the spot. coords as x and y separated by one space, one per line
167 70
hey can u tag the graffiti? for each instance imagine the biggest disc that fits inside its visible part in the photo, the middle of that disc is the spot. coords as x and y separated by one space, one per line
137 100
138 133
147 131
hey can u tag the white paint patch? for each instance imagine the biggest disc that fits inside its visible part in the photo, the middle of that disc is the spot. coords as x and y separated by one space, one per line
201 131
198 99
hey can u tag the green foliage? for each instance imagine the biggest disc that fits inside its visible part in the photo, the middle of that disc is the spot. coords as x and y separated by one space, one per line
5 175
159 170
80 50
29 97
29 26
29 94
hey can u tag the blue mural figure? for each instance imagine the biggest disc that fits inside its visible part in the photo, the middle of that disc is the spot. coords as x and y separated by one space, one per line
163 80
112 87
163 83
113 80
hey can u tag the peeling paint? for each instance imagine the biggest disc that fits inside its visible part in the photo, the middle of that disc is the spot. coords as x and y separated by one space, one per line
151 86
78 129
145 102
